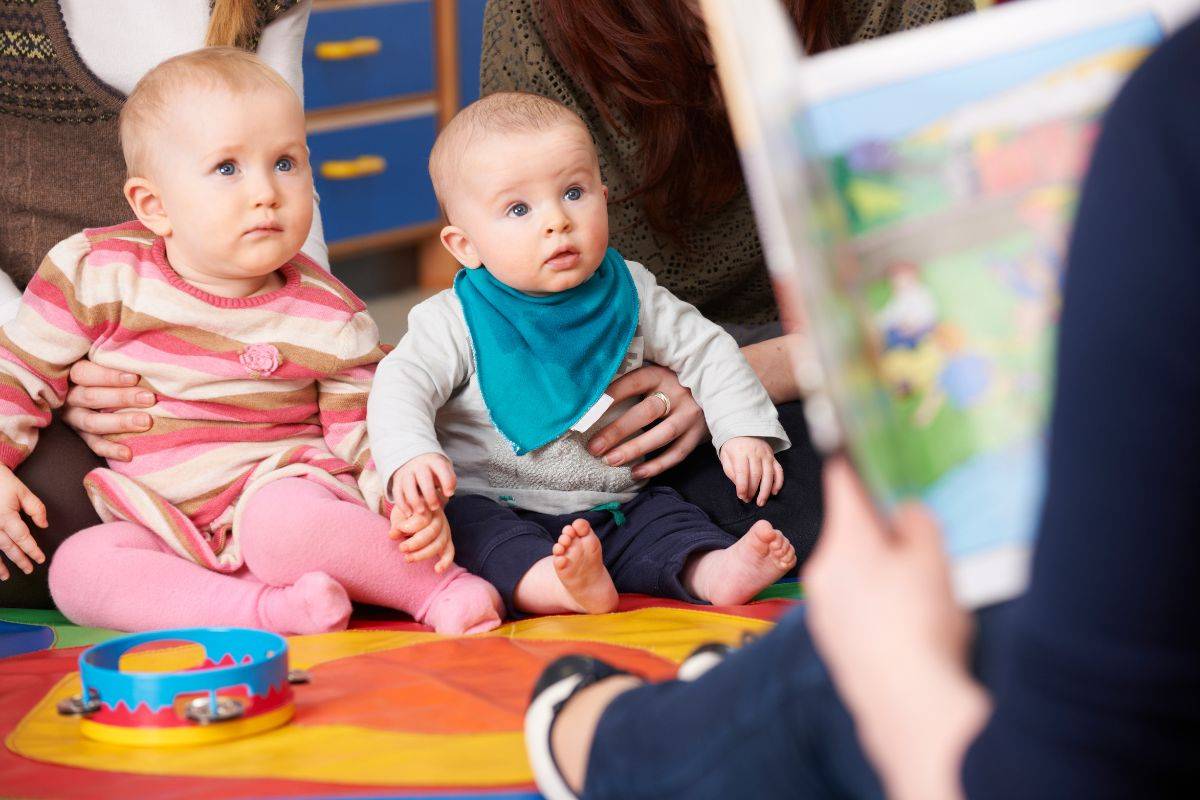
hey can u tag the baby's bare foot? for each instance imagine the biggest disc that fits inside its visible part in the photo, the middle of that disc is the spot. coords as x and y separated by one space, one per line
579 564
734 575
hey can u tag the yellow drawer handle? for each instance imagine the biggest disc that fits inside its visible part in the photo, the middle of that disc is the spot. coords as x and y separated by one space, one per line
358 47
361 167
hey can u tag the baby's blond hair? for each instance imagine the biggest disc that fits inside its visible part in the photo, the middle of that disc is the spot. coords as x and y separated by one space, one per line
502 112
149 103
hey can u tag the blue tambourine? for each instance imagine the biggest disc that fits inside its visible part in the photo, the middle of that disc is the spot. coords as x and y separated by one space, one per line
242 688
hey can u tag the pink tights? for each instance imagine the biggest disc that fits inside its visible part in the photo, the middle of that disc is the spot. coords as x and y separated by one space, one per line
307 555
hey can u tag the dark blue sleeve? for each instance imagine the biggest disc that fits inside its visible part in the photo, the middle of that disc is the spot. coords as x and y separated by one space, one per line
1099 694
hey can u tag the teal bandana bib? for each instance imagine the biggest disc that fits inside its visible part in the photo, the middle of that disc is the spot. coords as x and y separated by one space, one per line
543 362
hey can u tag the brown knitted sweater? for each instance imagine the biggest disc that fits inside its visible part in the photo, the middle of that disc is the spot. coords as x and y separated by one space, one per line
60 158
717 266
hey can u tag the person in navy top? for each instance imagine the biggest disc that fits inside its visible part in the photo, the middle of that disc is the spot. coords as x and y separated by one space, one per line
1086 686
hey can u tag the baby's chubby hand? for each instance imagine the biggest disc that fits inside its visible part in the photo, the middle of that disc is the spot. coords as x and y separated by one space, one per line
15 539
750 463
425 534
423 484
420 488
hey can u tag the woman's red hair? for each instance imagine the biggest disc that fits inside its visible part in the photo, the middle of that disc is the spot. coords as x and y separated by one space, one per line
647 67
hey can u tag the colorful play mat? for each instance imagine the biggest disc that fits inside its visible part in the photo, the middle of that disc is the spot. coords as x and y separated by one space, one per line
392 710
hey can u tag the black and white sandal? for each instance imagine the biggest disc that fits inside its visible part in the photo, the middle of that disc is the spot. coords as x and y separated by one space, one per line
707 656
558 684
702 659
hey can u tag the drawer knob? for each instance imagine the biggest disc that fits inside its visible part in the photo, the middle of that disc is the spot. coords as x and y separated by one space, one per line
348 170
358 47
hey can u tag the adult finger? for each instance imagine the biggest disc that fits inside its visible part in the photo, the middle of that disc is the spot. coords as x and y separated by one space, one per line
660 435
88 373
32 505
105 448
100 398
626 425
677 452
640 381
446 477
100 423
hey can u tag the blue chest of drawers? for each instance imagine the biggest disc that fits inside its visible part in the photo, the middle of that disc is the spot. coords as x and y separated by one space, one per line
380 77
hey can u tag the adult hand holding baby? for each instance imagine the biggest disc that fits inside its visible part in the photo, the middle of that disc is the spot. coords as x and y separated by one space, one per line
15 539
95 391
681 425
420 488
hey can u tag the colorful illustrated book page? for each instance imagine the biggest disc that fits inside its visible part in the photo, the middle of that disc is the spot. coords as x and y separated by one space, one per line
921 190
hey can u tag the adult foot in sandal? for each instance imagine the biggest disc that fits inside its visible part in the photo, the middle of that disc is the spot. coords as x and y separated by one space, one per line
560 722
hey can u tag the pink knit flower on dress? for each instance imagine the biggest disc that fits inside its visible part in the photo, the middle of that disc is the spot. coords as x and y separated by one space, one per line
260 360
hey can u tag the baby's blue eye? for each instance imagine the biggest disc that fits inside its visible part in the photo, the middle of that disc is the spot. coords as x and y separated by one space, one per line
285 165
574 193
518 210
227 168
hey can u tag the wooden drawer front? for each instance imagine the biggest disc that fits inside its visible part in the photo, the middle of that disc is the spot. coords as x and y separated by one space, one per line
470 43
368 53
374 178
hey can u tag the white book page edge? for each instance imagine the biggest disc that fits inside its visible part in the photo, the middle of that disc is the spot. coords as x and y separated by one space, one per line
968 39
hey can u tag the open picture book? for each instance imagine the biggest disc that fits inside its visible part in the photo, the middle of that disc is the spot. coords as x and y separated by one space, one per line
914 196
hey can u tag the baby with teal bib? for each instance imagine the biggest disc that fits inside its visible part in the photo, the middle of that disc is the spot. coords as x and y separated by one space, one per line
479 418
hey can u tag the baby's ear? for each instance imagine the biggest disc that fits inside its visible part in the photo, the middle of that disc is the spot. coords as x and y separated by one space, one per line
455 240
147 205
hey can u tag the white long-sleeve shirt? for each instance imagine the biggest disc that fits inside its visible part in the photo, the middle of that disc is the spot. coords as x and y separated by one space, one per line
426 399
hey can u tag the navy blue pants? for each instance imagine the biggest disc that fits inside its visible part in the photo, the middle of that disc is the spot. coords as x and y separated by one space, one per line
766 722
797 510
645 554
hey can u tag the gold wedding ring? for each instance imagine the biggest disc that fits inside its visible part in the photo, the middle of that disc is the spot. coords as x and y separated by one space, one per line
666 401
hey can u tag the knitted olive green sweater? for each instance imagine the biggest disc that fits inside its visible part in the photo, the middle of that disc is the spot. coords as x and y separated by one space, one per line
717 265
60 159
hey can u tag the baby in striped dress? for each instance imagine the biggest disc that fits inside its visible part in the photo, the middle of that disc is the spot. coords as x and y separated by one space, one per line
252 498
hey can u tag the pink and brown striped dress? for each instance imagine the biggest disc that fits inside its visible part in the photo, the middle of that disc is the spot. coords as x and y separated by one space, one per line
249 389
